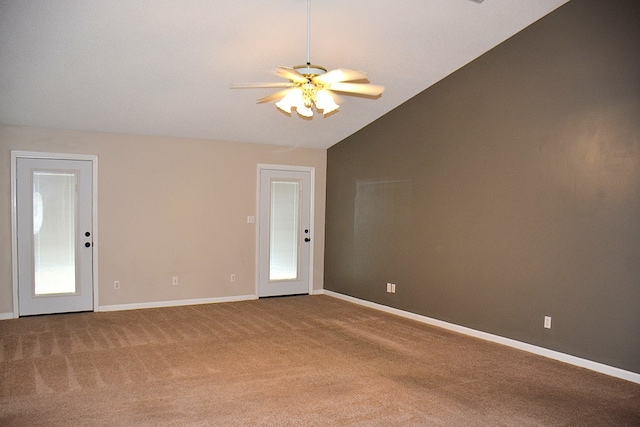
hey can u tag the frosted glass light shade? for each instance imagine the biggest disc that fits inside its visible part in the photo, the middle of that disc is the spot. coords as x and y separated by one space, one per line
304 111
303 100
325 102
290 100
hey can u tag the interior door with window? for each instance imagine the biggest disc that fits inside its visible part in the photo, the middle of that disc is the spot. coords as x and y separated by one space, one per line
54 217
284 232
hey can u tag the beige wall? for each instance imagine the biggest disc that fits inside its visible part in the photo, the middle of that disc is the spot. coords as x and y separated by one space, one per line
166 207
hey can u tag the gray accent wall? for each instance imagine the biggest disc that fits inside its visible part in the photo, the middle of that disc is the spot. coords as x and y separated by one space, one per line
507 192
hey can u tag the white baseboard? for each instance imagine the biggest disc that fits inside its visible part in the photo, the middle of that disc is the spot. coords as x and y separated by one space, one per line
158 304
541 351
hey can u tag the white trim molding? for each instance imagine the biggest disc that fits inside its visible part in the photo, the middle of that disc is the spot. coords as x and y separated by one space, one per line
541 351
176 303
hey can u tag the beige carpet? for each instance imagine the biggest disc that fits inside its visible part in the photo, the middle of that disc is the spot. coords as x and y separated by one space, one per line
299 361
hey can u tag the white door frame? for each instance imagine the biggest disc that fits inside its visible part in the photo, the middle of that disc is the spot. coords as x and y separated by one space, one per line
312 173
15 155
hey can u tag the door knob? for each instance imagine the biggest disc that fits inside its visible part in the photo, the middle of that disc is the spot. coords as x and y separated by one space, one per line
86 245
306 239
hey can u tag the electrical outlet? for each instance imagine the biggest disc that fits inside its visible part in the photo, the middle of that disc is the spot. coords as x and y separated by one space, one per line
547 322
116 284
393 288
175 281
233 278
388 287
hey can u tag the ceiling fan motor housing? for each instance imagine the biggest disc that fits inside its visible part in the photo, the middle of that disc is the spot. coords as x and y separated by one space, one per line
310 70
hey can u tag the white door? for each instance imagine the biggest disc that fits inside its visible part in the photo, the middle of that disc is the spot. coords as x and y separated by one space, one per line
54 218
284 232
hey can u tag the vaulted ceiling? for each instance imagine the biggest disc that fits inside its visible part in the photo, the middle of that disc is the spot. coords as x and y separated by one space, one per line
164 67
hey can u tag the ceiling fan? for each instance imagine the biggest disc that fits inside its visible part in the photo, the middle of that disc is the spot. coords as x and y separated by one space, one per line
311 85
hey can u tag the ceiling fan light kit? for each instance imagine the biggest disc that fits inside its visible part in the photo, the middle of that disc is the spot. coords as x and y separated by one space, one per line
307 92
313 86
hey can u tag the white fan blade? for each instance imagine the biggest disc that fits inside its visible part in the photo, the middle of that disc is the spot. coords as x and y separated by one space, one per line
273 97
358 88
291 74
259 85
340 75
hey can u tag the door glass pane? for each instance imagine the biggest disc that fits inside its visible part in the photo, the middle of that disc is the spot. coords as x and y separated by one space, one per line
54 232
283 245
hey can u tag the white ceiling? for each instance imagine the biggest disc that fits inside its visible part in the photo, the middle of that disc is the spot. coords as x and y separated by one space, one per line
164 67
